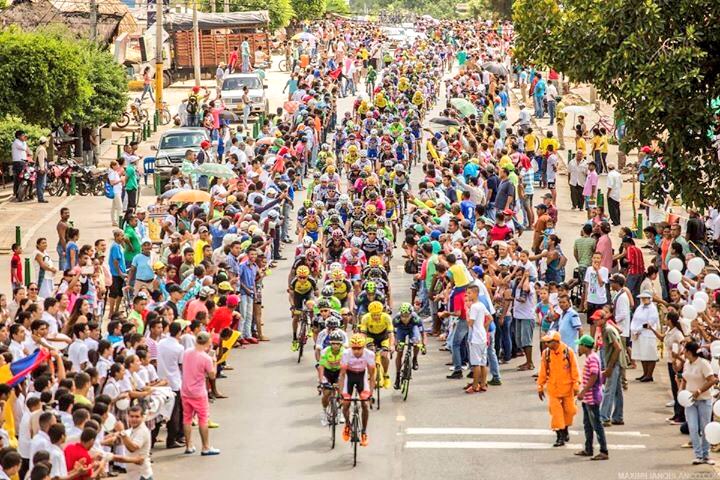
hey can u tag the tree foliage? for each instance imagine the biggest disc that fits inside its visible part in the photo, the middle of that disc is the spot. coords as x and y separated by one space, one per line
657 62
308 9
280 11
337 6
109 88
43 78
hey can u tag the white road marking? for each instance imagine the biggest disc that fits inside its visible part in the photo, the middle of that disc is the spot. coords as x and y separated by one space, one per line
504 431
507 445
400 418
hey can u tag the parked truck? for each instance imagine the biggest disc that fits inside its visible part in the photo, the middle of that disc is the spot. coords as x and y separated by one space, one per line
219 33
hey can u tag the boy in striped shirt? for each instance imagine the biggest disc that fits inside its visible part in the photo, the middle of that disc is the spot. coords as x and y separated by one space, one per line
591 397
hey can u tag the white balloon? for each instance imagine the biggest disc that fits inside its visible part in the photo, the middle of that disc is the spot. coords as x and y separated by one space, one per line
715 348
695 265
684 398
712 432
715 365
703 295
699 305
712 281
686 325
689 312
123 404
681 288
674 277
675 264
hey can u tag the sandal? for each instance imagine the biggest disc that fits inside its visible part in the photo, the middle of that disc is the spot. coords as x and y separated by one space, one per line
472 389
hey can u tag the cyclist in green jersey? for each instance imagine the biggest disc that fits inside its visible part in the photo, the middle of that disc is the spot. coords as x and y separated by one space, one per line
329 367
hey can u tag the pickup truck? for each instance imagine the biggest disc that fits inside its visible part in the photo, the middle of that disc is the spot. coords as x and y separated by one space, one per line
232 92
171 148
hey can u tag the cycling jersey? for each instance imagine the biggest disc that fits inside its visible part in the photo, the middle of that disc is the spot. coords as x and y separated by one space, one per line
383 323
342 288
357 364
323 339
414 320
302 286
329 360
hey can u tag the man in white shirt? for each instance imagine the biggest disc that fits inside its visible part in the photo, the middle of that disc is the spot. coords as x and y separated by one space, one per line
24 434
57 455
478 320
595 294
41 440
20 152
78 350
169 360
614 190
115 181
551 97
136 441
17 336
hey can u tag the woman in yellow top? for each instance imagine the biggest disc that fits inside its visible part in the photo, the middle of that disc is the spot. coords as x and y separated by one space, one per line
599 144
580 144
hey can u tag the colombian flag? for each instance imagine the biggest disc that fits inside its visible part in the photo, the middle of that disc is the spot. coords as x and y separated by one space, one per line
15 372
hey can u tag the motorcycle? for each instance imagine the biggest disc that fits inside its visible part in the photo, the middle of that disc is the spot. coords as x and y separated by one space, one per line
26 187
90 181
58 179
137 113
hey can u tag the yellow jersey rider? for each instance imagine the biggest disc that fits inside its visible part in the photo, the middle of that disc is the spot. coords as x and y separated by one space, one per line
378 327
301 290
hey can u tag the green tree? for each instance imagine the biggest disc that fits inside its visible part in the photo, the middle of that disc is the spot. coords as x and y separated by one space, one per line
8 126
43 78
657 62
337 6
109 88
281 11
308 9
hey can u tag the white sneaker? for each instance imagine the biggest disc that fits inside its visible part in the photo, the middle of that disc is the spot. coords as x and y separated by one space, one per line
707 461
465 367
698 461
671 403
323 419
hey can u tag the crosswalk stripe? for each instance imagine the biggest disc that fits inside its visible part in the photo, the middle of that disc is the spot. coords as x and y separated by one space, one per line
506 445
504 431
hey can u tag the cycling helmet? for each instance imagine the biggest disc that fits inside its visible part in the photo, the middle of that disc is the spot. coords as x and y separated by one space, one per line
335 266
335 337
357 203
307 241
371 208
374 261
357 340
332 322
337 234
370 287
332 212
325 146
356 242
323 303
335 220
357 225
302 271
337 275
375 307
311 211
405 308
307 203
318 205
328 291
344 198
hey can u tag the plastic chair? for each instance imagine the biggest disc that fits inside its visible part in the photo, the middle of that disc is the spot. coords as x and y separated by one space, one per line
149 167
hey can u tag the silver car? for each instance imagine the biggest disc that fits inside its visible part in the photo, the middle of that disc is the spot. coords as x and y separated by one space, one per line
232 92
171 148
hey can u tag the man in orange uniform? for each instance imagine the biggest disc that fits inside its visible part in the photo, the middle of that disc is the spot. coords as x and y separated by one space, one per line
559 374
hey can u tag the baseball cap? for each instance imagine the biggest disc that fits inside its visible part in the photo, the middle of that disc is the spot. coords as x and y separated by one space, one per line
553 336
508 211
232 301
585 341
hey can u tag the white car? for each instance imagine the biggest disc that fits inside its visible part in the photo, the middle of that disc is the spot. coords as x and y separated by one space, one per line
232 92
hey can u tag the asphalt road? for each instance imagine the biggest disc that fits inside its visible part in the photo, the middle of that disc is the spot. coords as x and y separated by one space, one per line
270 426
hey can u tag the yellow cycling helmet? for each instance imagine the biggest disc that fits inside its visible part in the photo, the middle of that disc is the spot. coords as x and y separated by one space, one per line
338 275
302 271
357 340
375 308
371 208
353 149
330 169
375 261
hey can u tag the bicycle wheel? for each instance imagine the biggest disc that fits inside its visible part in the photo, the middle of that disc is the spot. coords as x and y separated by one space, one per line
53 188
380 379
165 116
355 438
302 338
123 121
332 422
406 374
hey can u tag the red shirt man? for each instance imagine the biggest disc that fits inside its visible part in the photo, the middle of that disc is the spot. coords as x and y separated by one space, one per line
80 452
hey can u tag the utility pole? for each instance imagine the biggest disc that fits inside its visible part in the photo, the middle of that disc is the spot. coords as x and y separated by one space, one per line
160 7
226 6
196 44
213 6
93 20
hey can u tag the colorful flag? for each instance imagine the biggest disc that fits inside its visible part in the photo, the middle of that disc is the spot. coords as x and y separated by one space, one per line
15 372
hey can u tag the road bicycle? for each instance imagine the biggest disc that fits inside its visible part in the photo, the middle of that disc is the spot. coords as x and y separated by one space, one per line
355 423
332 412
379 373
406 367
608 124
302 334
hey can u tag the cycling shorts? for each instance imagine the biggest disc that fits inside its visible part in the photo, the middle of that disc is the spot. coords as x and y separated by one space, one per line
380 340
402 333
331 376
355 380
299 299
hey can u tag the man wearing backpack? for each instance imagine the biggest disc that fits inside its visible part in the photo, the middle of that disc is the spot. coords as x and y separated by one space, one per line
558 375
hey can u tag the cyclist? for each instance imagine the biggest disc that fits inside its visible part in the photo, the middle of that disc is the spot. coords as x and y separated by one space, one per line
408 324
367 296
329 367
377 326
342 288
328 293
332 322
301 289
356 365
